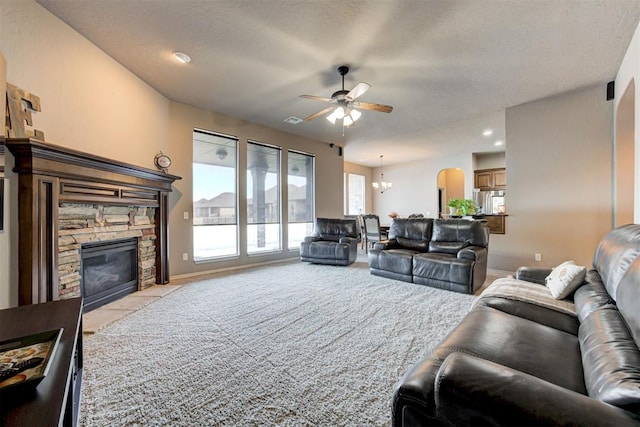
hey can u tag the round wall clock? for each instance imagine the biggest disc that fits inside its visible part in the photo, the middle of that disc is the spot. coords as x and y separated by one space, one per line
162 161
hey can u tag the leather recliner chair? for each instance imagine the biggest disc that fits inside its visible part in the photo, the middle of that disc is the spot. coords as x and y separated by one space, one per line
334 242
448 254
457 256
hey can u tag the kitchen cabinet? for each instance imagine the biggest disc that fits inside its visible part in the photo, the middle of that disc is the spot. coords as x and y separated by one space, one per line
490 179
496 223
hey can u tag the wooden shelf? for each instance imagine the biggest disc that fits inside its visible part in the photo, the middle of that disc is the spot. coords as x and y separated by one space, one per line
55 401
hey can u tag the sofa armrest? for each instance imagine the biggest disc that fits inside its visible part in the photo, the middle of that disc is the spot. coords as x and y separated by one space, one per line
386 244
470 390
310 239
474 253
533 274
349 240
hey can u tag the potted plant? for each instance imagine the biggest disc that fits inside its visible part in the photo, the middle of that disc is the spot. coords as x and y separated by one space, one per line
461 207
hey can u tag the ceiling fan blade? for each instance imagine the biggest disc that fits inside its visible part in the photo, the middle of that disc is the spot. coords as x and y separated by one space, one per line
375 107
357 91
317 98
319 113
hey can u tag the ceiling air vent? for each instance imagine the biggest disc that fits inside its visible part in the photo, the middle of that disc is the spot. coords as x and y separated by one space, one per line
293 120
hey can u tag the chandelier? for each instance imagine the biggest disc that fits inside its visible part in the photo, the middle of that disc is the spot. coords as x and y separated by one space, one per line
382 185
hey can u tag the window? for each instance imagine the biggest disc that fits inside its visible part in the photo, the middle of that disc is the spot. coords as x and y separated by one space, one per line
355 191
301 184
263 198
215 201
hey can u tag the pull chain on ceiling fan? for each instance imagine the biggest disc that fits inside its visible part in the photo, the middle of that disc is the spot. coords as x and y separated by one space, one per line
345 104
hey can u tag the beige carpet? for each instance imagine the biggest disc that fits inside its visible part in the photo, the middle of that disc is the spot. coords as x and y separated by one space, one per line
288 345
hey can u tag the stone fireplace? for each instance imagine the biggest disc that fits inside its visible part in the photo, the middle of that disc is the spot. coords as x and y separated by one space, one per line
70 202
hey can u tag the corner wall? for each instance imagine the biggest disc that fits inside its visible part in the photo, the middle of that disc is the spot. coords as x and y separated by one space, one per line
628 74
559 175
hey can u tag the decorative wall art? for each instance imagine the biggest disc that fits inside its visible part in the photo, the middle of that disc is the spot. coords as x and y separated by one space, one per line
20 104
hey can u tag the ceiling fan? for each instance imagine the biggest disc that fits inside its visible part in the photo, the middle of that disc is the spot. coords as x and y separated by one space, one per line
345 104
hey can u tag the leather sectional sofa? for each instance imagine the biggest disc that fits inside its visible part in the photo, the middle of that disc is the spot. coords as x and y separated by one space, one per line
448 254
334 242
522 357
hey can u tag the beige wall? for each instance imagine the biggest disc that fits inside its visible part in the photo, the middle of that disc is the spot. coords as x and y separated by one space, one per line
182 120
559 177
490 160
89 101
624 160
628 75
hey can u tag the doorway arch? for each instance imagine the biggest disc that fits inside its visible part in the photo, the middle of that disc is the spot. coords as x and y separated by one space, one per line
450 184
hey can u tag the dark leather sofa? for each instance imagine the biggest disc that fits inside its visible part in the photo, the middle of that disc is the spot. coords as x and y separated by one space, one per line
448 254
334 242
521 357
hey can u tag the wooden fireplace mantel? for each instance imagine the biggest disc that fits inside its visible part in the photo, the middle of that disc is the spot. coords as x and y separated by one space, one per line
49 175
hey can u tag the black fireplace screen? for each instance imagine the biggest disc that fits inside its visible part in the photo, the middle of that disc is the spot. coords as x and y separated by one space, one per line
109 271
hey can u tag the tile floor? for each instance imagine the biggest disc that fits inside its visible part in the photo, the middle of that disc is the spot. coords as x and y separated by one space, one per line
109 313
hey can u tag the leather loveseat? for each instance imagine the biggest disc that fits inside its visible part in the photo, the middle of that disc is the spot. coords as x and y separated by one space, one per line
448 254
334 242
522 357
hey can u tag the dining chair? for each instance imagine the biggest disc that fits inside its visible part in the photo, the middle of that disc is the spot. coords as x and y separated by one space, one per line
371 229
360 227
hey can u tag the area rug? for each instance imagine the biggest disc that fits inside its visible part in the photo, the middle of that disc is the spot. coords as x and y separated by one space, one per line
294 344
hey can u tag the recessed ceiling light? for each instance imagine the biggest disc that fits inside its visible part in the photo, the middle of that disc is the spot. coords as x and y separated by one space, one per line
488 132
182 57
498 143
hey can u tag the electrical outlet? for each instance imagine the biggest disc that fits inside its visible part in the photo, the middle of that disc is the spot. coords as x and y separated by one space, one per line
185 256
185 215
537 257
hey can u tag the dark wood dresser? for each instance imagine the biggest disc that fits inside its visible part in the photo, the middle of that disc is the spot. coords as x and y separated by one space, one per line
55 401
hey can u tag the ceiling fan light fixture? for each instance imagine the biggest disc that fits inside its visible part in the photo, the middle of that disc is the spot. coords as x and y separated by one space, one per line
332 118
347 121
339 112
355 114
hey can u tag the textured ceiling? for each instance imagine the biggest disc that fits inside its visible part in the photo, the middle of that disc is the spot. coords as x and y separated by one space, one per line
449 68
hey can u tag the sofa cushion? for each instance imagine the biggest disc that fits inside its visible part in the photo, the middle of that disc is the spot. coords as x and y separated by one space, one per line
412 233
530 301
333 229
614 254
443 267
611 359
532 293
591 296
629 299
396 260
565 279
508 340
451 235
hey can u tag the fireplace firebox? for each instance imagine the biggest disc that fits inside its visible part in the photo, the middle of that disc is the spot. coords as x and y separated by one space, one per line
109 271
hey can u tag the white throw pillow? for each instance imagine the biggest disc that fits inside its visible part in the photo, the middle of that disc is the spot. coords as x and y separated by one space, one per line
565 278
